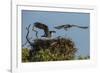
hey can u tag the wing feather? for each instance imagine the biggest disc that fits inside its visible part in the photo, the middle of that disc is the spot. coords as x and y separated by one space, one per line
59 27
83 27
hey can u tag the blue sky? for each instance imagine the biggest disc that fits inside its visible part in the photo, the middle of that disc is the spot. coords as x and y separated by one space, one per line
79 36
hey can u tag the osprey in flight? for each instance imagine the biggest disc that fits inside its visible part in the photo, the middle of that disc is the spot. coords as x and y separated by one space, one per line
45 28
67 26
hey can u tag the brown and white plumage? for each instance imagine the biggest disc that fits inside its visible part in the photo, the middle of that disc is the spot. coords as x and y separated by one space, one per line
45 28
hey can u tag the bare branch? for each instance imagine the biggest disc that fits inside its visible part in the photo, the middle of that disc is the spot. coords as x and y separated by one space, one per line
26 42
27 28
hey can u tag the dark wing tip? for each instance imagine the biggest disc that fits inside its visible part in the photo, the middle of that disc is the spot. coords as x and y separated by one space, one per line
84 27
37 23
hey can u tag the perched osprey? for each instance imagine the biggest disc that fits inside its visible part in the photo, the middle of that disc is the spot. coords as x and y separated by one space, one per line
45 28
67 26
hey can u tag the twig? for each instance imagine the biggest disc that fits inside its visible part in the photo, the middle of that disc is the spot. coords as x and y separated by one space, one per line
27 28
26 42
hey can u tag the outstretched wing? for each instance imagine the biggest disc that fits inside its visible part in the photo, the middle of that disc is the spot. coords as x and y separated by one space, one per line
42 26
59 27
67 26
83 27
